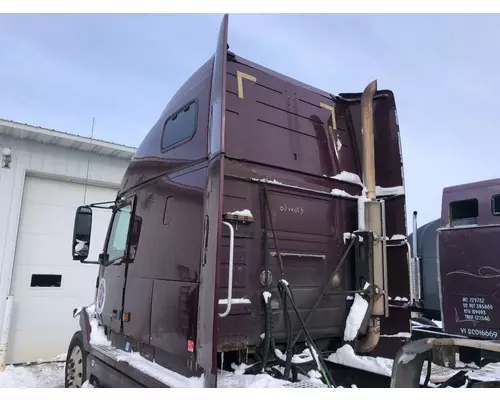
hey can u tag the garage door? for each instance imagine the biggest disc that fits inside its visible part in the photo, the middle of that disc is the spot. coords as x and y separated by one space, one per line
47 284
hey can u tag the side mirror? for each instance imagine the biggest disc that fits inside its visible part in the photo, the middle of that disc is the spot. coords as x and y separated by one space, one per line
81 233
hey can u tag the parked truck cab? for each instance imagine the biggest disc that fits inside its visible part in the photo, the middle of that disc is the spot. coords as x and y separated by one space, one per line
254 213
470 221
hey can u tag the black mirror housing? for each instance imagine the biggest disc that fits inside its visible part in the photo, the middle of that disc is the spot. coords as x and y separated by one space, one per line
81 233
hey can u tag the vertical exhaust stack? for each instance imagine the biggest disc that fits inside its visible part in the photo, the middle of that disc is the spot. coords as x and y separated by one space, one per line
415 270
368 141
373 223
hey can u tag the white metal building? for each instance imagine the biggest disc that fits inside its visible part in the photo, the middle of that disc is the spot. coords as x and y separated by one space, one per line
42 182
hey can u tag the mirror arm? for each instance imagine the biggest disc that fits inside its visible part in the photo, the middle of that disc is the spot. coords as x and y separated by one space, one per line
90 262
102 208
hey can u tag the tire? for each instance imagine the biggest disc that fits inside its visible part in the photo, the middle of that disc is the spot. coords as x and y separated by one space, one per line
75 370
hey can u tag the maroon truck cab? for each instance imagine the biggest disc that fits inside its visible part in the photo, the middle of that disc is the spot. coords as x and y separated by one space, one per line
248 180
469 259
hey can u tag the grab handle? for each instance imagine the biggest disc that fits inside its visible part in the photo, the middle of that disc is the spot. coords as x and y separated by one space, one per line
230 272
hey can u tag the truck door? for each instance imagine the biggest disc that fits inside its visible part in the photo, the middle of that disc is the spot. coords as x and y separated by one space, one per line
112 280
206 351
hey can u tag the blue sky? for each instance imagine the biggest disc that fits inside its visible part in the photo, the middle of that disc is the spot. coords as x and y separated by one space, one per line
59 71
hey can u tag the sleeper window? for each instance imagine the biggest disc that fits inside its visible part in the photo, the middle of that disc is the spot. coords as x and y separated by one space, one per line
495 204
464 212
181 126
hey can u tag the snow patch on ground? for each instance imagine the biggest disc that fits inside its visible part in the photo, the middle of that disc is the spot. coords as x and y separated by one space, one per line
232 380
346 356
398 237
51 375
488 373
45 375
236 379
60 358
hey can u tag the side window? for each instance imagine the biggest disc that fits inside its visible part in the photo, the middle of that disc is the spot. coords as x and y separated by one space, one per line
495 204
117 243
181 126
464 212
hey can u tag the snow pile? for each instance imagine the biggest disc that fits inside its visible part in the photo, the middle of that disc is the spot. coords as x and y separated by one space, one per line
383 366
60 358
266 296
87 384
355 317
236 379
407 357
334 192
45 375
97 335
240 369
342 193
398 237
390 191
399 334
243 213
232 380
273 182
438 323
488 373
339 144
361 210
235 301
301 358
346 356
348 236
314 374
164 375
348 177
